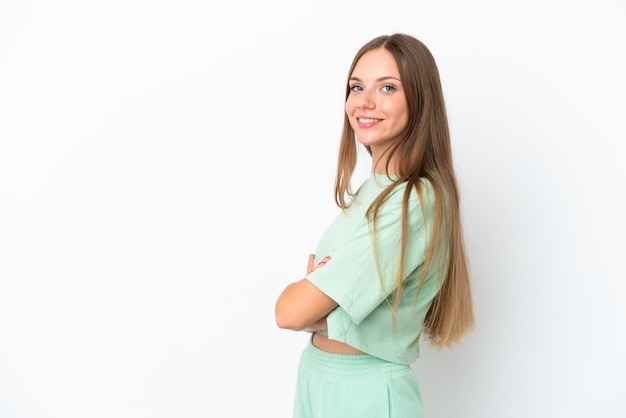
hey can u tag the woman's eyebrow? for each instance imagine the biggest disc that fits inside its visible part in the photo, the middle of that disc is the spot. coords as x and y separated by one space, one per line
387 77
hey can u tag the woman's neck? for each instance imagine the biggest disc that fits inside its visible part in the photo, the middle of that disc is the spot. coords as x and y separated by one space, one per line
380 166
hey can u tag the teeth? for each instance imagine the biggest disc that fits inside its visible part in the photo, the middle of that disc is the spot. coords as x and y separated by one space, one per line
368 120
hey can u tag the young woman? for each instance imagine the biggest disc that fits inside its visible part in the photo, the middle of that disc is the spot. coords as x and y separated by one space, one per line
392 266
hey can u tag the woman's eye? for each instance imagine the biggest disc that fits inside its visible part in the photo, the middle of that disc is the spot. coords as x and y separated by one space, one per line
356 88
388 88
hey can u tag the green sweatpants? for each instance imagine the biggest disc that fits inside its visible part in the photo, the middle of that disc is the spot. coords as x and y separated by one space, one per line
354 386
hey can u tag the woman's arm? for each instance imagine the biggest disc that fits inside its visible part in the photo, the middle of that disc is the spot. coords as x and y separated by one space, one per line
302 306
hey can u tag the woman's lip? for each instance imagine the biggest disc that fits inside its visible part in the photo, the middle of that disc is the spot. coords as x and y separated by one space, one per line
367 122
362 119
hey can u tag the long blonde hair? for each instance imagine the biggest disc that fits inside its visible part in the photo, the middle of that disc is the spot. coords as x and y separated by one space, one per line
423 151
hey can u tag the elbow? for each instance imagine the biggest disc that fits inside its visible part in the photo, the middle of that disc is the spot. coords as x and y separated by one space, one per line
286 319
283 322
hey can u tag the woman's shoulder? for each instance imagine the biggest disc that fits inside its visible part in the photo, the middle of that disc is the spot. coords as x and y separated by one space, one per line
421 199
423 192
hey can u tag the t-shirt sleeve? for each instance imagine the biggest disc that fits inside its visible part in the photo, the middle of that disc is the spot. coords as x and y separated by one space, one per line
351 276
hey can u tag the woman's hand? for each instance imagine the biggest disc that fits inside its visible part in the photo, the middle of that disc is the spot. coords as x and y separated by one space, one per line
302 306
311 267
319 325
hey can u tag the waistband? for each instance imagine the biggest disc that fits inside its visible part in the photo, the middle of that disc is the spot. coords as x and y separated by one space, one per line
346 364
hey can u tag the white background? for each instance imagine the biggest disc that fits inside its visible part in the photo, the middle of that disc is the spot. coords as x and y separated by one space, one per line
166 167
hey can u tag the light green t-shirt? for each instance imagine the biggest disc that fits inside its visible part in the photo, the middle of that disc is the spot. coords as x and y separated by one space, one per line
363 318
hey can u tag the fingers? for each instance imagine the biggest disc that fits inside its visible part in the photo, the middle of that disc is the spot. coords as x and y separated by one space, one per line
319 325
311 267
324 261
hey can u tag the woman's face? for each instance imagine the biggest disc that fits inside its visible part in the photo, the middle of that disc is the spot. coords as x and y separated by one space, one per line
376 106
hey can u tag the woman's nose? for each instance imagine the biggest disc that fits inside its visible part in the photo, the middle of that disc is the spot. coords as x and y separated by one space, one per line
367 100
